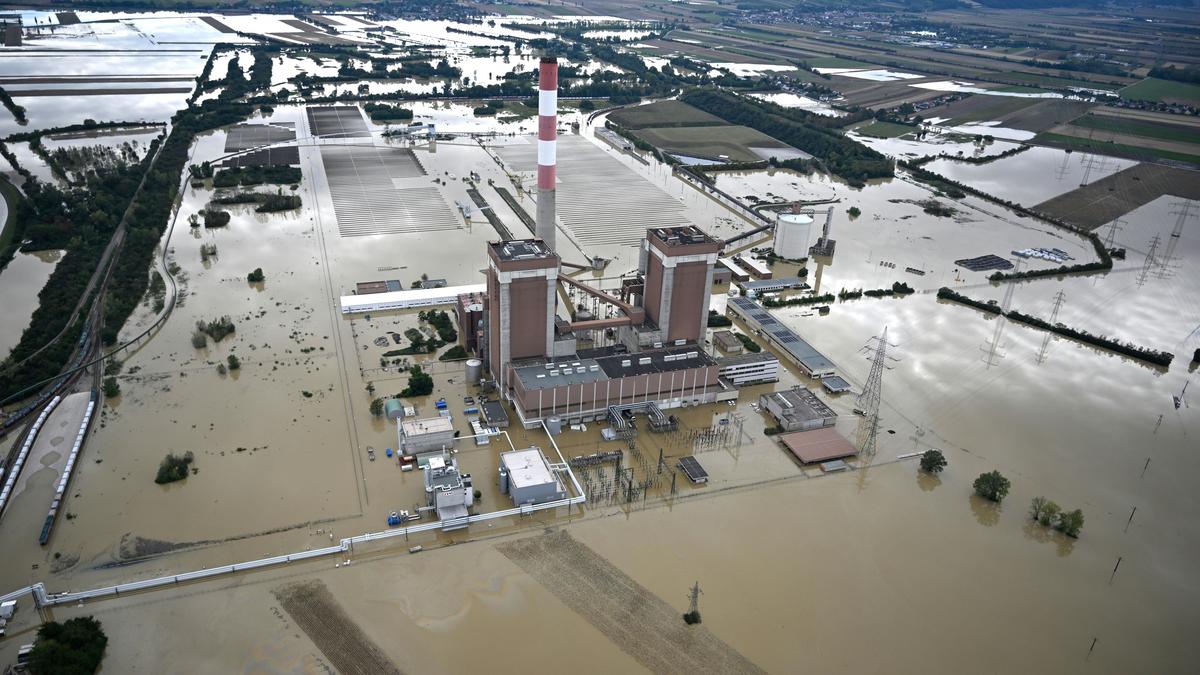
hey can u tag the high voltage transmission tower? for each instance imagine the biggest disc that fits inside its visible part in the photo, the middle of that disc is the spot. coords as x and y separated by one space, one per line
1183 209
1058 301
1151 260
1111 237
991 350
867 403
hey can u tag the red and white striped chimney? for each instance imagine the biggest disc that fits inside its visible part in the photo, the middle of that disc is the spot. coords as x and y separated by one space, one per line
547 148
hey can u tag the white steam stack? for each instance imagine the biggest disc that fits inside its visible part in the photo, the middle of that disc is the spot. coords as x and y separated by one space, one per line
547 147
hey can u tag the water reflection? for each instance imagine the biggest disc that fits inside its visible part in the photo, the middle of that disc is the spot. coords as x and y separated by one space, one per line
986 511
1042 534
927 481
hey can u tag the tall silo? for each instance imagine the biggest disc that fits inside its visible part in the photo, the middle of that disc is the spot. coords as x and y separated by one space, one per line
791 235
474 370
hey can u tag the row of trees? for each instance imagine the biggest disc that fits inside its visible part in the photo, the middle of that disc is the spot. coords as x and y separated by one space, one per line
1049 514
851 160
1155 356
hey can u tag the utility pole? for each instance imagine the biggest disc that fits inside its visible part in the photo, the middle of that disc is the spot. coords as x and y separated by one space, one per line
1058 301
868 400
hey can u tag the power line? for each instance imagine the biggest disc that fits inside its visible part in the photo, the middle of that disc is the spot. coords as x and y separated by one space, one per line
868 400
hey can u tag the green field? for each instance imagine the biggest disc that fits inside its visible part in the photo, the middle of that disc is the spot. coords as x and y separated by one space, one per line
664 114
1115 149
885 130
734 142
1051 81
1142 128
836 62
1168 91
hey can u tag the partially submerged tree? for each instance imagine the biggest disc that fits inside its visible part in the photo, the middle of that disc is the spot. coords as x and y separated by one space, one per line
933 461
992 485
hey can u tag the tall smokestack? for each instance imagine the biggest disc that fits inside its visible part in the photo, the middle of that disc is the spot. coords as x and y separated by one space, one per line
547 148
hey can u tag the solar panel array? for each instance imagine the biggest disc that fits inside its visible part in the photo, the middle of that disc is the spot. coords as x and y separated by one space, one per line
373 192
600 200
246 136
781 334
337 121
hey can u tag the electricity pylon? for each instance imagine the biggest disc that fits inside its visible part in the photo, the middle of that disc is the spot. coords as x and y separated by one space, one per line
1058 301
867 403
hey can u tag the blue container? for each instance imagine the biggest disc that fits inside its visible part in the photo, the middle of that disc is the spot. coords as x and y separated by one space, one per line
389 452
471 411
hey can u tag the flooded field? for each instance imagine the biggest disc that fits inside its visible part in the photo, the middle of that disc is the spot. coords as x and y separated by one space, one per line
798 568
20 282
1034 175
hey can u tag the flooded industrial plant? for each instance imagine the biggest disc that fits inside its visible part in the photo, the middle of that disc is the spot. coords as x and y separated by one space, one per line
431 337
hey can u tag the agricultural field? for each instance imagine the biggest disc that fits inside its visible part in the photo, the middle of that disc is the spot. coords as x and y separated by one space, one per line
664 114
1132 127
1113 196
1166 91
735 143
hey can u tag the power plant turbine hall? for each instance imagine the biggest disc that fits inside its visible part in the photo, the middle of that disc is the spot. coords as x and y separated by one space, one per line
547 148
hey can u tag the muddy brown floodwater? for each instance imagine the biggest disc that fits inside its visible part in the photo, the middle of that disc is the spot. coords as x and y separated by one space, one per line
878 569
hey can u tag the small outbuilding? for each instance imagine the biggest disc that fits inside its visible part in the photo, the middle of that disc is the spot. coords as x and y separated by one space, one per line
526 476
819 445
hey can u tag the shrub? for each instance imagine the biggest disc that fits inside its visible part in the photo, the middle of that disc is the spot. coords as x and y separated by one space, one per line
234 363
992 485
215 218
173 468
199 340
216 329
1049 513
419 383
933 461
73 647
1070 523
854 211
256 276
455 353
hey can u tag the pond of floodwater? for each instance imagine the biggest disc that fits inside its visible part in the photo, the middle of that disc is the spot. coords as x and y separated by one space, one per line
48 112
621 35
969 88
30 161
789 100
20 282
936 142
1032 176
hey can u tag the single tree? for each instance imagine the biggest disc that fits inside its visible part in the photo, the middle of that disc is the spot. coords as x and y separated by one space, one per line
1070 523
234 363
377 407
933 461
1049 514
1036 507
111 387
255 276
992 485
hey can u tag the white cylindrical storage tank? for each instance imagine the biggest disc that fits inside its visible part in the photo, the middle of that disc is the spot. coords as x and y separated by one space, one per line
474 371
554 425
393 408
791 235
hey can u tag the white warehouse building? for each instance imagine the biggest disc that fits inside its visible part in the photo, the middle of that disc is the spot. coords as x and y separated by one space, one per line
526 476
416 297
791 235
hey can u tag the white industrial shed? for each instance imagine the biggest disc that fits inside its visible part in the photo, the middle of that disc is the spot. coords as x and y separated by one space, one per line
416 297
